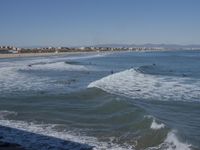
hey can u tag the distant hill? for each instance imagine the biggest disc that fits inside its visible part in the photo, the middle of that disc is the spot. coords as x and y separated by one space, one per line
149 45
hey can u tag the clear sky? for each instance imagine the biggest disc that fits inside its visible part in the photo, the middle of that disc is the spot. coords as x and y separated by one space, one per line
90 22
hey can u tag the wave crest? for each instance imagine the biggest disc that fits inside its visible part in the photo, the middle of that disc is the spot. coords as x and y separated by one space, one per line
171 143
45 136
57 66
137 85
5 113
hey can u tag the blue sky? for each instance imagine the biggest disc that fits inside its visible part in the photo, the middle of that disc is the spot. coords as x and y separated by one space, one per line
90 22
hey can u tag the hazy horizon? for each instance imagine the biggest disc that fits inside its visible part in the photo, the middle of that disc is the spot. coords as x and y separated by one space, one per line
101 44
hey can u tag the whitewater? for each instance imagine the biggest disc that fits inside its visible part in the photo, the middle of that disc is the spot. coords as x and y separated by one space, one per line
119 100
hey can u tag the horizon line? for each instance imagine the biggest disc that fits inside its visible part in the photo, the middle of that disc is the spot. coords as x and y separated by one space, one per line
127 44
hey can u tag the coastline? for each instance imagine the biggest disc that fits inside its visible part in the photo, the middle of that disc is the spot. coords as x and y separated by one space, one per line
35 54
21 55
17 55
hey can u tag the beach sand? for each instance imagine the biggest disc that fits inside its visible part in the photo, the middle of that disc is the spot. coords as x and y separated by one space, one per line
34 54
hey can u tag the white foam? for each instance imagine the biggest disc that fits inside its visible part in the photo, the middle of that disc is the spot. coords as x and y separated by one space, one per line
174 143
5 113
13 79
35 141
156 126
57 66
171 143
136 85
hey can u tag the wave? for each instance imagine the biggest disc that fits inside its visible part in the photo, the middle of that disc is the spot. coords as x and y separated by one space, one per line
137 85
156 126
171 143
56 66
157 70
167 71
23 74
5 113
47 136
12 80
24 77
44 136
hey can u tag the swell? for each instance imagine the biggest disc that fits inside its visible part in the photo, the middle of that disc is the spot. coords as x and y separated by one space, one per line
151 90
98 117
56 66
46 136
90 116
137 85
39 136
40 76
160 70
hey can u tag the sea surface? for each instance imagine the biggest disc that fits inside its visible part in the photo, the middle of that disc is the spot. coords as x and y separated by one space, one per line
102 101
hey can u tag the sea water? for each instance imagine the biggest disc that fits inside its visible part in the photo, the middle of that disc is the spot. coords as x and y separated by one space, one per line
118 100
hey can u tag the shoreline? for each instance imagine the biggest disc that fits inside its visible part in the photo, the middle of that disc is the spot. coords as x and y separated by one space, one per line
19 55
22 55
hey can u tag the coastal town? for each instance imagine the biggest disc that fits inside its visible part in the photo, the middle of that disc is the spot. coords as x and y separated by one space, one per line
16 50
103 48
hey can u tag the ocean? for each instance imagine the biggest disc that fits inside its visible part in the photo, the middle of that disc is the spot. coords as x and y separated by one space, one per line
102 101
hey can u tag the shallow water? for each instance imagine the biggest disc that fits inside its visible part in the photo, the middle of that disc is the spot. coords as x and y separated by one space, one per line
124 100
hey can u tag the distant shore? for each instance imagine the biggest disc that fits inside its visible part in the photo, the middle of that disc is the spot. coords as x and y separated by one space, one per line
39 54
11 51
36 54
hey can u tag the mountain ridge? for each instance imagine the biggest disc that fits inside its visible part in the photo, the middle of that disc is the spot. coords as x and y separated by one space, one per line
150 45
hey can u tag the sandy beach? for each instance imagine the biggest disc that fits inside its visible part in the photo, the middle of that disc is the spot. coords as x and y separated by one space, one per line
34 54
18 55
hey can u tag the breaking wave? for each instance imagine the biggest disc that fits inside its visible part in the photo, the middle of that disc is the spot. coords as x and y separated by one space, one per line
159 70
56 66
12 80
5 113
19 78
156 126
44 136
137 85
171 143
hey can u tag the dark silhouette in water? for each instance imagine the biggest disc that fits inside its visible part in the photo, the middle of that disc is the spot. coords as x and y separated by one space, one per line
138 90
184 75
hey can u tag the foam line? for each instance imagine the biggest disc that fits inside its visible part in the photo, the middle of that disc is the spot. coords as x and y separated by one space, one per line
38 136
171 143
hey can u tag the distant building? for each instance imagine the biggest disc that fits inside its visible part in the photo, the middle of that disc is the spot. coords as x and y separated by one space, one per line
8 49
82 48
